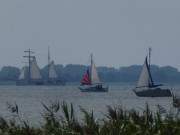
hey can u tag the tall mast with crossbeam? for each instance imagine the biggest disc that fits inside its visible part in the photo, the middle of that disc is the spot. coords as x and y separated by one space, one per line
29 56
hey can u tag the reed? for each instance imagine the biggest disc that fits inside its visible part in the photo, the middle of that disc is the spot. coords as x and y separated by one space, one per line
60 119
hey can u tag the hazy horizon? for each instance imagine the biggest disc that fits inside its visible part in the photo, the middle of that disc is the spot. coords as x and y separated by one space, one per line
118 33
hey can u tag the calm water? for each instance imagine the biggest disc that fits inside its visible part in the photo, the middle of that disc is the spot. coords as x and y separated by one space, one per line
29 99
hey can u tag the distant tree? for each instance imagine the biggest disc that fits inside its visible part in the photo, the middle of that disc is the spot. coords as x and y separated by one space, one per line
74 73
9 73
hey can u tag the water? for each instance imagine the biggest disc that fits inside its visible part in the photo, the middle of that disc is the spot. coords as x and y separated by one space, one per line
30 99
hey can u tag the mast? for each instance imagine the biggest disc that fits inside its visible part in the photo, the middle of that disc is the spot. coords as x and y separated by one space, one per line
150 49
49 60
91 59
91 67
29 56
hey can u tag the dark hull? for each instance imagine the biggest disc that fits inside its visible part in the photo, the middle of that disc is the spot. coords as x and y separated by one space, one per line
26 83
155 92
40 82
54 83
93 89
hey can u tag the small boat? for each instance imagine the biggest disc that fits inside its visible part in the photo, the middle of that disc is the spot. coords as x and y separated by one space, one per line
31 74
146 87
90 81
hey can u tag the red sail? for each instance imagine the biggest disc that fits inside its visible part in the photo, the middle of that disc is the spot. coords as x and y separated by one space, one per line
86 79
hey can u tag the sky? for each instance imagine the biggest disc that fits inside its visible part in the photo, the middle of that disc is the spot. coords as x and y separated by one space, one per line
117 32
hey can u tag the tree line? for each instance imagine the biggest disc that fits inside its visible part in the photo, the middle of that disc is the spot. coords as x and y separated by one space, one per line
74 72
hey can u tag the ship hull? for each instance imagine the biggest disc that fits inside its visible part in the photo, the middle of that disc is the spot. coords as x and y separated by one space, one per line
54 83
26 83
153 92
46 83
93 88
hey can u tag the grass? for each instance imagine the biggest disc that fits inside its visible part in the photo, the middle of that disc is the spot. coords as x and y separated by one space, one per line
60 119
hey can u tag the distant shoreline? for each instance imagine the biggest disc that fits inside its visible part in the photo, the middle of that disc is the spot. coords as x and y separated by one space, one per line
73 73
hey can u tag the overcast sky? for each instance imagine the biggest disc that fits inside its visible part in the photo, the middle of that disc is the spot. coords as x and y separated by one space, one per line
118 32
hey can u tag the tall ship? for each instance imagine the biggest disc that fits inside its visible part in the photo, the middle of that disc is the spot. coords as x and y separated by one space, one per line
30 75
146 86
91 81
53 78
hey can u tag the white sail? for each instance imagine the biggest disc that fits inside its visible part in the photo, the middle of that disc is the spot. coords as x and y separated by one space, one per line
145 79
52 71
94 75
34 70
23 73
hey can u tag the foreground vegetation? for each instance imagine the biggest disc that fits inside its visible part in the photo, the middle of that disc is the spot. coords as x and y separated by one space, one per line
60 119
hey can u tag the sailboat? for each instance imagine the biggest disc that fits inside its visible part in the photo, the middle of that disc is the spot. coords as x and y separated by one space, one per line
31 74
35 74
146 87
90 81
31 77
23 77
52 74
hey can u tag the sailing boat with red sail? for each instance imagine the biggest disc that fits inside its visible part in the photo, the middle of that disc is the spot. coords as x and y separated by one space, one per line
86 78
90 81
